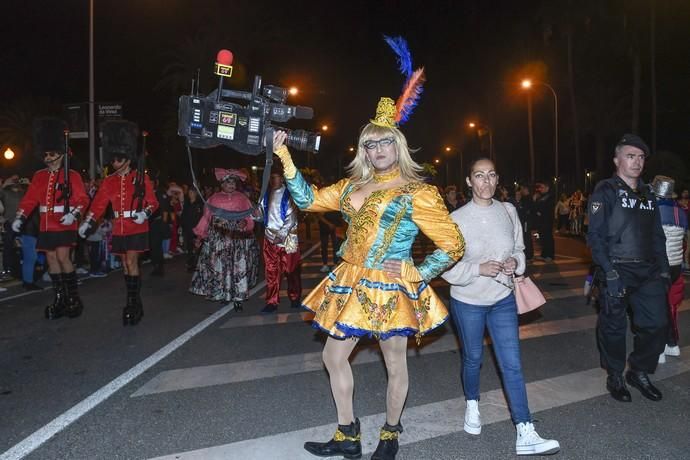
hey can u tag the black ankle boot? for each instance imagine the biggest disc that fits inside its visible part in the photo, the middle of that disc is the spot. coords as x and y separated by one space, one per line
346 442
73 303
238 306
388 442
57 308
134 310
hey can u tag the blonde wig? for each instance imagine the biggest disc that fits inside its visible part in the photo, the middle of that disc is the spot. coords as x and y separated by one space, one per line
361 171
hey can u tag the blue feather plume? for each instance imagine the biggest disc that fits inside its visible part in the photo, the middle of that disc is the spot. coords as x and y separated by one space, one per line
399 47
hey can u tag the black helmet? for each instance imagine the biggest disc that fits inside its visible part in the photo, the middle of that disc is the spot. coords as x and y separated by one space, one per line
48 135
120 139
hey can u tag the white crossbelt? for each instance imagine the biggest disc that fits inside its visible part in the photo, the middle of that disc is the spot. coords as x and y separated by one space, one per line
54 209
124 214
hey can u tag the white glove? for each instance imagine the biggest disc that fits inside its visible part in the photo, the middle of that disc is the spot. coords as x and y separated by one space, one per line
140 217
17 225
68 219
85 228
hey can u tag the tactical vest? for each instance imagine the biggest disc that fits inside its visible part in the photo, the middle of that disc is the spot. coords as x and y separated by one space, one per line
631 223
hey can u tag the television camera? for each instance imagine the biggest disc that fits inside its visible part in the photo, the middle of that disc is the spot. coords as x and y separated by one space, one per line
214 120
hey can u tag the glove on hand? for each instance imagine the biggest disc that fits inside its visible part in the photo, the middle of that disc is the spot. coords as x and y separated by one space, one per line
68 219
17 224
140 217
86 227
614 285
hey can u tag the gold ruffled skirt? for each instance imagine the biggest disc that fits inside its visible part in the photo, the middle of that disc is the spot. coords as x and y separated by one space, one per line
353 301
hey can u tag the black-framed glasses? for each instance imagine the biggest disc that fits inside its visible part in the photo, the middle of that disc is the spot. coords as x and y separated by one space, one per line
383 143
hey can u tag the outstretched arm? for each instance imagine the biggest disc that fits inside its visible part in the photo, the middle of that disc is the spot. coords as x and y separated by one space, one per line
306 197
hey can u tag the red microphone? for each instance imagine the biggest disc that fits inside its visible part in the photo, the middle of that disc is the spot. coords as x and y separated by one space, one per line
223 65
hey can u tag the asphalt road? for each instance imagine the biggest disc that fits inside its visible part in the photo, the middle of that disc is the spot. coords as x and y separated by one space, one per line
195 380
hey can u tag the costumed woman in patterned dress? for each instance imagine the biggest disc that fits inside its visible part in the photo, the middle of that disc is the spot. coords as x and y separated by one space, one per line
377 291
228 263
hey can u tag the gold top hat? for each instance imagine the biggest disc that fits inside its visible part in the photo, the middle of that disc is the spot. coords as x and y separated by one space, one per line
385 113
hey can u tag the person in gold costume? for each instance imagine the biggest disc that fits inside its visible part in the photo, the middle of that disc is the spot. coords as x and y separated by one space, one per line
376 291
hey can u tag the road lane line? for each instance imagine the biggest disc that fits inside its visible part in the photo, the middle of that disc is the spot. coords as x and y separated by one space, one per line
431 420
243 371
40 436
61 422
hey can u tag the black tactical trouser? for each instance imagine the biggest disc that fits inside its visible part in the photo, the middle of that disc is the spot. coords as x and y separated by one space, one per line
646 295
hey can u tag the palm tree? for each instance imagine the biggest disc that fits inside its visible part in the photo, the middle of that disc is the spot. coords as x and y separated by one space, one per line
16 118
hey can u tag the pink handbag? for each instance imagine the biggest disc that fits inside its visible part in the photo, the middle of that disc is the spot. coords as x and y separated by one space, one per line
527 295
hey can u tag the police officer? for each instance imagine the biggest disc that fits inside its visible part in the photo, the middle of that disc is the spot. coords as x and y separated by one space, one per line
628 247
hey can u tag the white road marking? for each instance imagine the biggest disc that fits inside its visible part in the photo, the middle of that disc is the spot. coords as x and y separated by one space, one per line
243 371
432 420
40 436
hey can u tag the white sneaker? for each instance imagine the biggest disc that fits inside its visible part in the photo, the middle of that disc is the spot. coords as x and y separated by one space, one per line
672 351
81 271
325 269
46 277
662 359
167 255
473 421
530 443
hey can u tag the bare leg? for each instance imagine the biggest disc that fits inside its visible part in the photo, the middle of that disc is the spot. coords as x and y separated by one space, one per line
130 263
395 354
62 255
53 264
335 357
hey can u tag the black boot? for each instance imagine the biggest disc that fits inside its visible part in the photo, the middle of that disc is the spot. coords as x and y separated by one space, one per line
346 442
57 308
238 306
388 442
134 310
72 301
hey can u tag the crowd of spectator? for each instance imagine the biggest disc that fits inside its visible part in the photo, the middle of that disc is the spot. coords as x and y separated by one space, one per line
181 209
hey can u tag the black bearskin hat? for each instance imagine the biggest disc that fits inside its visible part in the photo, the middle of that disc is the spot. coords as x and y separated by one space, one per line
120 139
48 135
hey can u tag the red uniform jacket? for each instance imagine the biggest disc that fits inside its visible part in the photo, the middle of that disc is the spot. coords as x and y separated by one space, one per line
118 190
44 193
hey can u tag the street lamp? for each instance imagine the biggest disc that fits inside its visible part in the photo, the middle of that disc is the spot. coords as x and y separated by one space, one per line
9 154
293 91
527 85
486 128
324 128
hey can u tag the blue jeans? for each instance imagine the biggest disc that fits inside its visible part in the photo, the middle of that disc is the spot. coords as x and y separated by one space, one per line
29 257
502 321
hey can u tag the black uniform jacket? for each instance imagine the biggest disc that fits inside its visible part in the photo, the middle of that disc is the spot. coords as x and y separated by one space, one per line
625 224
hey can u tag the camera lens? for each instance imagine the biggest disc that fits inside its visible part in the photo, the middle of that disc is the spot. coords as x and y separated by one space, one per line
305 141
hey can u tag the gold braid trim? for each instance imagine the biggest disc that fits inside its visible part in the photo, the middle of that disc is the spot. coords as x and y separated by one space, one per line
289 169
388 435
340 437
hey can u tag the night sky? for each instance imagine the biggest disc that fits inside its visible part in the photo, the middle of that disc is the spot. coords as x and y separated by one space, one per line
475 53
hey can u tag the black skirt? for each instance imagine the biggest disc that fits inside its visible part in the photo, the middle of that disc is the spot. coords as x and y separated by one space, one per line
50 241
138 242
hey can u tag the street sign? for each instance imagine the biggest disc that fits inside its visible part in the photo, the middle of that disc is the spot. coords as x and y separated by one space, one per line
77 118
108 111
